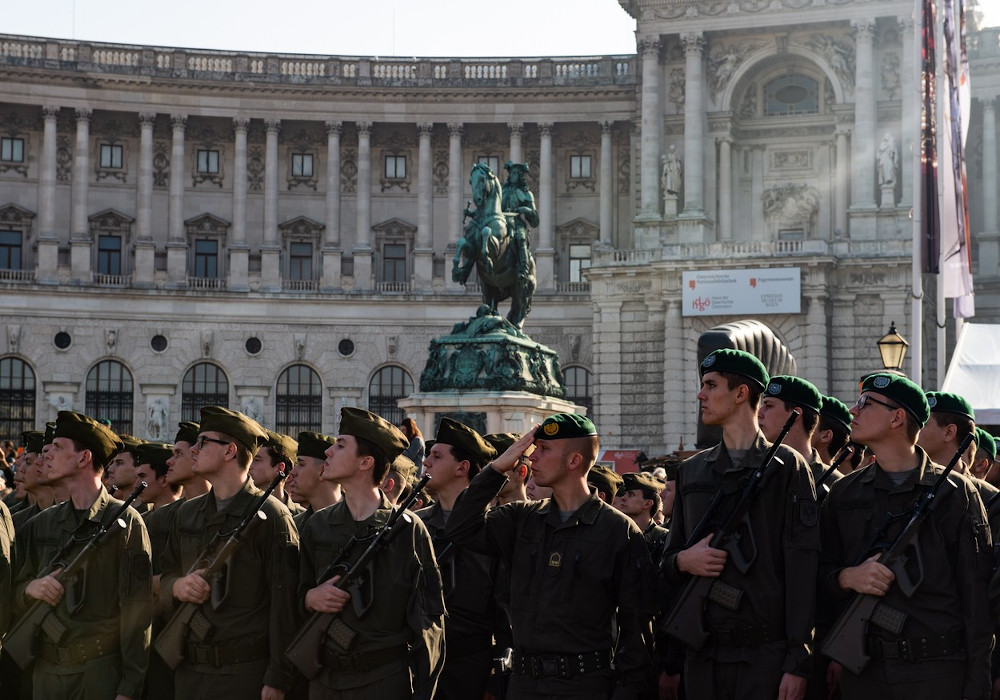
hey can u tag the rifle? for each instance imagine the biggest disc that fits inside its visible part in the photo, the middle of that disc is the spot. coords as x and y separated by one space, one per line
686 621
19 642
304 651
846 641
821 487
188 619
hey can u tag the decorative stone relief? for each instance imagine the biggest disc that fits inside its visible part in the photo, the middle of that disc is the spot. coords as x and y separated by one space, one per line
723 60
206 343
161 164
441 171
791 160
253 408
13 338
255 169
676 92
889 73
748 105
60 402
838 54
624 162
349 171
64 159
157 418
111 339
789 205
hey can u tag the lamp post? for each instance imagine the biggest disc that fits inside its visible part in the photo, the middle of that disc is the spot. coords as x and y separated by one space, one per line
892 348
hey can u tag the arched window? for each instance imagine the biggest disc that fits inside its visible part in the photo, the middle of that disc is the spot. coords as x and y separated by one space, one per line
204 384
791 94
578 387
299 401
387 386
109 395
17 397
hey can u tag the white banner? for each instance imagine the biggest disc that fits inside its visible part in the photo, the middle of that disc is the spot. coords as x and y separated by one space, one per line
776 290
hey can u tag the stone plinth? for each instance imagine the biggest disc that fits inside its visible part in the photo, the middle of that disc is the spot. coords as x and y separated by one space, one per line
670 206
503 411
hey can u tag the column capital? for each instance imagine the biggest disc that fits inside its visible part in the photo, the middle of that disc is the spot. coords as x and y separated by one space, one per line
649 46
241 124
178 122
546 129
725 138
863 28
83 114
334 128
844 131
990 103
147 119
425 129
905 23
364 128
273 126
694 43
606 127
50 112
456 129
516 128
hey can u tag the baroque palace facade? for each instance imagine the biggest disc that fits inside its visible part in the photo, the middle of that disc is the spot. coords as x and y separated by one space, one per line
275 232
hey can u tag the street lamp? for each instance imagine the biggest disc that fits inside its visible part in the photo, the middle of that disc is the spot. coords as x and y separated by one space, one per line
892 348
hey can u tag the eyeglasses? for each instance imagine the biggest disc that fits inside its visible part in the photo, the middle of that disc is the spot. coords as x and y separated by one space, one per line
865 399
203 439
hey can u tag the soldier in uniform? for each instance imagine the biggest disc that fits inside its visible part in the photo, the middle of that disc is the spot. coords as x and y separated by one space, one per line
784 393
309 484
761 649
250 606
396 608
942 650
399 480
39 494
107 608
605 481
121 471
515 488
640 501
277 454
581 582
834 429
469 578
180 466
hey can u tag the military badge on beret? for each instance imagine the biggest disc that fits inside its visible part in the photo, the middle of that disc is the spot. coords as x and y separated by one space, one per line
551 428
932 401
881 381
708 361
774 388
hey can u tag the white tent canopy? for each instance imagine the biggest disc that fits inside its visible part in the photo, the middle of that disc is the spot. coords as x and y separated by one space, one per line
974 371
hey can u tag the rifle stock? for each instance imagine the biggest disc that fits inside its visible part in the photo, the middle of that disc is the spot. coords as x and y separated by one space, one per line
19 643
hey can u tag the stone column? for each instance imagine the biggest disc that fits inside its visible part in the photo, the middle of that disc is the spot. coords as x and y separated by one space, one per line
863 175
176 243
516 132
423 253
725 215
989 238
145 248
909 88
607 188
331 245
47 260
80 240
843 178
270 251
239 251
675 382
545 252
817 342
649 158
694 125
363 241
456 178
756 193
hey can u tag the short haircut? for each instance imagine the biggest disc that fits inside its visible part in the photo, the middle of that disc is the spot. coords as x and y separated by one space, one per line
809 417
279 456
840 433
475 464
98 466
963 424
733 380
243 454
367 448
588 447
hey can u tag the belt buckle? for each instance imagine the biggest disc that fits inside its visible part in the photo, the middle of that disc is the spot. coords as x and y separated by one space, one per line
548 667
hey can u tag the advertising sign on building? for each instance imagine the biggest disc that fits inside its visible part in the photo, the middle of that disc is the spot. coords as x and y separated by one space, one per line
776 290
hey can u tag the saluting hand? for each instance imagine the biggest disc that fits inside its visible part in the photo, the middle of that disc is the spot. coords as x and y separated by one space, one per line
870 577
508 460
327 598
192 588
46 589
701 559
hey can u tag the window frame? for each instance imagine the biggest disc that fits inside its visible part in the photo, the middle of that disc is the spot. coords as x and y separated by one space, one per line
208 153
8 144
19 247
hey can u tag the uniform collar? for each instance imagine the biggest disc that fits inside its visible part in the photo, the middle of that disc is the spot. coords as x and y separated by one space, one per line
585 514
750 461
92 514
926 476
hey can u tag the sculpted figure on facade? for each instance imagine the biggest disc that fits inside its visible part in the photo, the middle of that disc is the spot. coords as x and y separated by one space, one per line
156 414
887 158
838 54
670 178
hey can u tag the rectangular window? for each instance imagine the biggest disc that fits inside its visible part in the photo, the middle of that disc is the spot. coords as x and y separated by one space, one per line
300 261
208 161
111 156
791 234
206 258
579 260
11 150
492 162
394 262
579 167
109 255
395 167
10 250
302 165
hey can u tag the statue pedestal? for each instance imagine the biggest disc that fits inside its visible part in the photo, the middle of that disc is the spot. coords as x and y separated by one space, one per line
887 200
670 206
494 411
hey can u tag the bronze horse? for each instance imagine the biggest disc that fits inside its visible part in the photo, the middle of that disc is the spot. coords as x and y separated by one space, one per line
487 246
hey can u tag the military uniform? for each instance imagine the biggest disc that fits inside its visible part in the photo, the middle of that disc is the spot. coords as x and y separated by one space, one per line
750 648
159 523
253 612
6 566
396 608
950 606
107 609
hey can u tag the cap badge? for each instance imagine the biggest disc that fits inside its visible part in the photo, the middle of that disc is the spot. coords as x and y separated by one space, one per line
551 428
932 401
708 361
774 388
881 382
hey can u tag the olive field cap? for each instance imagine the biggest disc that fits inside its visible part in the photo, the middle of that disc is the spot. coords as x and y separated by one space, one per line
650 485
795 390
452 432
96 437
604 479
187 431
902 391
405 467
314 445
944 402
131 445
33 441
282 444
735 362
565 425
501 441
243 429
384 435
154 454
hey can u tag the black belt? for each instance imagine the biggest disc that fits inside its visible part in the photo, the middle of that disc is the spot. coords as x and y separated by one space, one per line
78 652
210 655
916 648
560 666
362 661
742 636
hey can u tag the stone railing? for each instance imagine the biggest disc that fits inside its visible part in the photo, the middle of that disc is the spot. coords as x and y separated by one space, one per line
392 287
206 283
300 285
17 275
207 65
573 287
112 280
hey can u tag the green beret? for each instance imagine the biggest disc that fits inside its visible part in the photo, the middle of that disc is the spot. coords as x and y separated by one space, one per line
282 444
902 391
565 425
501 441
451 432
987 443
735 362
131 444
406 469
837 410
604 479
50 432
943 402
96 437
244 430
33 441
650 485
187 432
154 454
314 445
795 390
375 429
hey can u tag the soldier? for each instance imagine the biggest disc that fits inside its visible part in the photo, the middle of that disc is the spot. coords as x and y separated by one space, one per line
758 650
606 482
308 472
834 429
6 566
39 493
121 471
107 607
253 609
580 577
515 487
469 578
180 466
640 501
400 479
783 393
986 454
277 454
396 608
944 646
